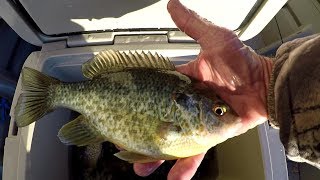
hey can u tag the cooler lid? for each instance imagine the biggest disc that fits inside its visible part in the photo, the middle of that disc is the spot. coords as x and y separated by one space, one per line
59 18
69 16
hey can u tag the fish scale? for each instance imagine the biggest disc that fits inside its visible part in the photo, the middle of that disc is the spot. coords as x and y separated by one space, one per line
142 89
137 101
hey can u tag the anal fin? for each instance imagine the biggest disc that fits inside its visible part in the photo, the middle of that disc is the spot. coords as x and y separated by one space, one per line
132 157
79 132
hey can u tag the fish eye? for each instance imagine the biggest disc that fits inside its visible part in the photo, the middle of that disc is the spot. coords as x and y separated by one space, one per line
219 110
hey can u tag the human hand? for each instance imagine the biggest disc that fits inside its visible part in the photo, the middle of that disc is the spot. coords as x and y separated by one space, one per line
228 68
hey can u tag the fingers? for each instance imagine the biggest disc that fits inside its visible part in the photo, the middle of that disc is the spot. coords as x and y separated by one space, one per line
191 69
187 68
187 20
146 169
143 169
185 168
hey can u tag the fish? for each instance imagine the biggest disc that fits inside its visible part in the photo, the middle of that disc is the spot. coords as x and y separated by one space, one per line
137 101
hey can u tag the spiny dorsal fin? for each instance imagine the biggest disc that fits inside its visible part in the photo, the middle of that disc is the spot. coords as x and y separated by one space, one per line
114 61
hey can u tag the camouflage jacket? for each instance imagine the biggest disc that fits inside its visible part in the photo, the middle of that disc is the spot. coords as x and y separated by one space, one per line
294 98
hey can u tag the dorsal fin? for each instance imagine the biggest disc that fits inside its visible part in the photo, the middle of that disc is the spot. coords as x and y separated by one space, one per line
114 61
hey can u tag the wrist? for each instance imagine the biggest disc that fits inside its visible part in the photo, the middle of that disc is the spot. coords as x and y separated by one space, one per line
267 65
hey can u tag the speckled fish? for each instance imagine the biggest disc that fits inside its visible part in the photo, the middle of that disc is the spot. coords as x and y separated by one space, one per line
135 100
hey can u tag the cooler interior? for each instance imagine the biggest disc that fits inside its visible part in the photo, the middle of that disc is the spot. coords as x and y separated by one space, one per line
47 158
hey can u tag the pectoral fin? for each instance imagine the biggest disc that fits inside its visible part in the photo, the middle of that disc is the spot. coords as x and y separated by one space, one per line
132 157
79 132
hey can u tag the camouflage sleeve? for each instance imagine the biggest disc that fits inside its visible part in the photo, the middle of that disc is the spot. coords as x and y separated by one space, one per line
294 98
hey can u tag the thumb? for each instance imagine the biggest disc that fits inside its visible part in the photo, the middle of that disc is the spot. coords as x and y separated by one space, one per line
198 28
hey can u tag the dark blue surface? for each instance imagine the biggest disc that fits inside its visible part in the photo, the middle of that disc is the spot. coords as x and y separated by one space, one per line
13 52
4 108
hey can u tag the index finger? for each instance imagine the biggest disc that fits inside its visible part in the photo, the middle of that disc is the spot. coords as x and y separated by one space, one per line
185 168
145 169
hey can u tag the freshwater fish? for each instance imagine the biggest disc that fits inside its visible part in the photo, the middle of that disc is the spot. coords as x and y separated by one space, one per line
137 101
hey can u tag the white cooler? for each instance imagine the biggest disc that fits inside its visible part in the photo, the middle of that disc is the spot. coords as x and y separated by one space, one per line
71 32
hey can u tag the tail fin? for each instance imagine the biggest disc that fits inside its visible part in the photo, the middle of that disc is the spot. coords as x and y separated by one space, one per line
32 103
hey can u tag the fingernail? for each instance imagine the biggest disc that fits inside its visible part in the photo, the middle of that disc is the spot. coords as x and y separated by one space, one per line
149 170
146 169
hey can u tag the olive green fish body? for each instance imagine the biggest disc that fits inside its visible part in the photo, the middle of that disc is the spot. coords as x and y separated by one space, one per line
133 109
137 101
